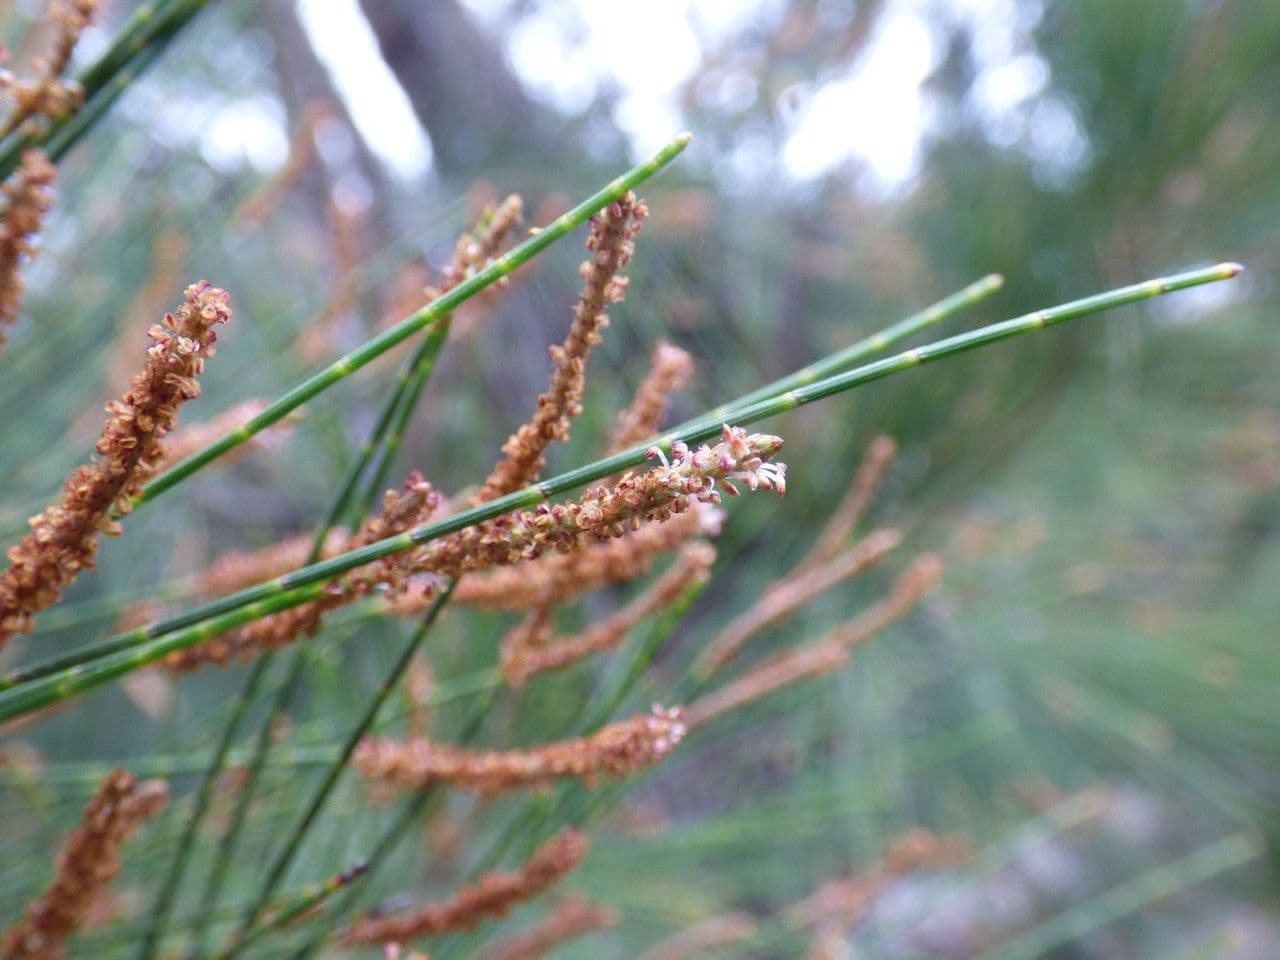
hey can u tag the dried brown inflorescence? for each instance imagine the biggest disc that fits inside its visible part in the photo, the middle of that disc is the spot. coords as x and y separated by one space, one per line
64 539
669 371
824 655
611 241
783 597
244 568
48 94
572 917
605 513
617 750
265 200
28 197
89 862
525 653
493 895
401 510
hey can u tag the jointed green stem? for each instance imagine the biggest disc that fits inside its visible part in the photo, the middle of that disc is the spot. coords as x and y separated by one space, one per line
306 583
389 684
442 306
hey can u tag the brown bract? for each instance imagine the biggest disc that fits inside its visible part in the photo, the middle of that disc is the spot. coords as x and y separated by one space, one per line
611 241
29 196
90 860
493 895
615 751
64 539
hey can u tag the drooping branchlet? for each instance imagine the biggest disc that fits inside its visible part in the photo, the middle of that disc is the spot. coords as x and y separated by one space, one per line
617 750
64 539
89 862
611 242
493 895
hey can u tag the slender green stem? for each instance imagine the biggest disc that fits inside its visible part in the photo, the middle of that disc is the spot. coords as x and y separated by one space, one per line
441 307
410 814
299 907
282 861
149 643
168 891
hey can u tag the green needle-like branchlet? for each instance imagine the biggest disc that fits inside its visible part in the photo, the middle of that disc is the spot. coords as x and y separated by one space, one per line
137 648
441 307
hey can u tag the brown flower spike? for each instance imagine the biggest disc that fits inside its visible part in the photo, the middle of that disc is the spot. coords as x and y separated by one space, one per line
493 895
64 539
612 237
29 196
617 750
572 917
90 861
669 371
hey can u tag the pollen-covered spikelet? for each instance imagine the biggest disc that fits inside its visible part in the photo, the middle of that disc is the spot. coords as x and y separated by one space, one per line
614 751
493 895
48 94
604 513
89 862
64 539
572 917
522 659
401 510
611 241
669 371
28 197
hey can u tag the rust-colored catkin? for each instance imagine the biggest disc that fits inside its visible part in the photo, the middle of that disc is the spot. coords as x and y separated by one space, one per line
572 917
476 248
89 862
48 94
853 506
493 895
401 510
64 539
615 751
522 659
783 597
560 577
669 371
28 197
822 656
611 241
702 937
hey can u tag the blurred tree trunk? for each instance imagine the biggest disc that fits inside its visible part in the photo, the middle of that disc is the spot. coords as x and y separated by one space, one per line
457 78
